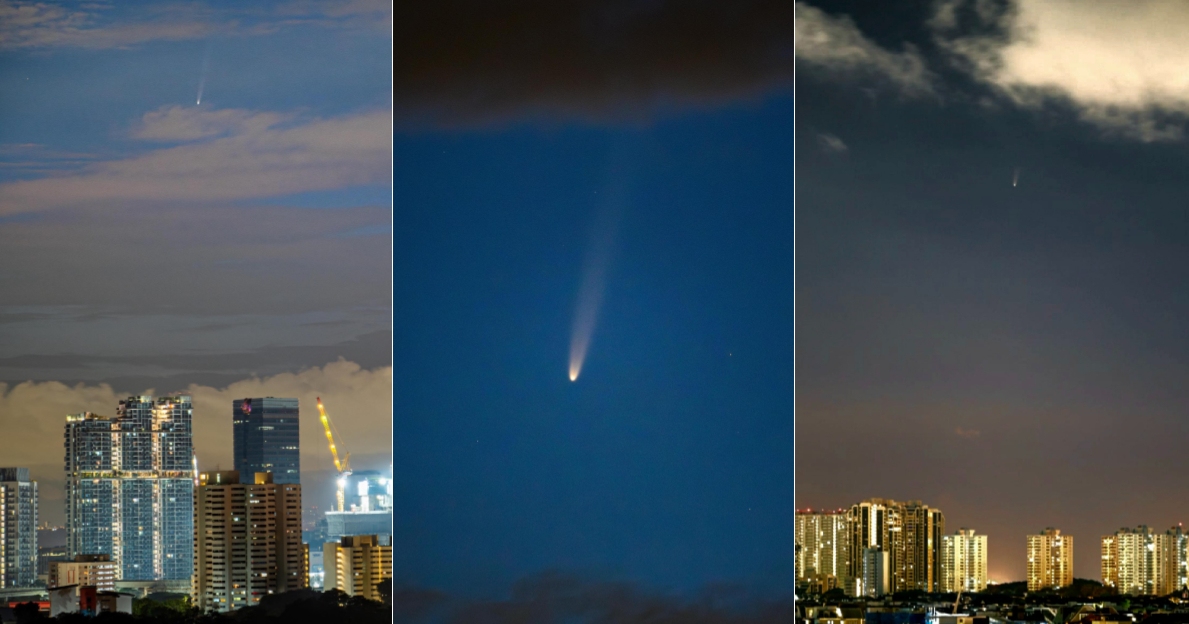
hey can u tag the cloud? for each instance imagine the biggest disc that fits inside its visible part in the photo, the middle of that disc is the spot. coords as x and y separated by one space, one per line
38 25
49 24
555 596
466 62
359 401
255 159
33 157
836 45
170 363
969 434
291 260
831 144
1120 64
178 123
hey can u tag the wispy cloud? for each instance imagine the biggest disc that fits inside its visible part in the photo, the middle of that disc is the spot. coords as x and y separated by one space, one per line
177 123
250 157
831 144
836 45
33 25
34 157
969 434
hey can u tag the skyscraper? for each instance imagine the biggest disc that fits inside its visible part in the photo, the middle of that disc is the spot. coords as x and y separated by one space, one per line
266 438
824 541
964 562
18 528
130 487
1050 560
1141 561
909 532
247 541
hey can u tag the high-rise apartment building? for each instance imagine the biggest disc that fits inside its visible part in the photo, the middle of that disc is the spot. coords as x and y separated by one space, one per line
130 487
1141 561
824 545
356 564
96 570
1110 561
1177 558
877 573
18 528
910 532
1050 560
266 438
247 540
964 562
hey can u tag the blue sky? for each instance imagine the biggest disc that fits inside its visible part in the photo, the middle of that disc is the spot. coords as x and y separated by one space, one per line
668 462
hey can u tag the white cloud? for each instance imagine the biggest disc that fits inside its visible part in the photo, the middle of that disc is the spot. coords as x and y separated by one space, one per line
831 144
256 159
359 401
1121 63
837 45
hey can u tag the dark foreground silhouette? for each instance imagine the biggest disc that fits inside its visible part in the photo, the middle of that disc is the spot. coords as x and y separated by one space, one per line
299 607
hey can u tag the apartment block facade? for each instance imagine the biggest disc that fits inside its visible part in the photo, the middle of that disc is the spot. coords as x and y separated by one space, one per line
130 487
1050 560
18 528
247 541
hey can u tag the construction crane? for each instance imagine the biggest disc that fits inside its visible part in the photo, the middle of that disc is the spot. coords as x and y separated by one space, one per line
344 466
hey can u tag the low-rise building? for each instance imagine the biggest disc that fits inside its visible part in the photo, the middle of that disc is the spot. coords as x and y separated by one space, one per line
96 570
357 564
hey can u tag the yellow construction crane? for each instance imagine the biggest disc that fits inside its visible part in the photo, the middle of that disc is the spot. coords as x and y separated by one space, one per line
344 467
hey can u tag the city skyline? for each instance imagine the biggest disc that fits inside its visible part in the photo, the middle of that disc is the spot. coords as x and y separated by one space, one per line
825 539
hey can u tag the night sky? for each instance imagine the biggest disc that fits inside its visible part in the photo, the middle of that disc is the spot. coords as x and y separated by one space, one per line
669 462
1014 355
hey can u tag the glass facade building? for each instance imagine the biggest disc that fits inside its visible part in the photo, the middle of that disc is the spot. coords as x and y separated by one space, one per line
266 438
130 487
18 528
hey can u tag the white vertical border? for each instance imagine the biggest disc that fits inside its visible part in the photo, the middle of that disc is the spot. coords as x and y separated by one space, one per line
392 283
794 174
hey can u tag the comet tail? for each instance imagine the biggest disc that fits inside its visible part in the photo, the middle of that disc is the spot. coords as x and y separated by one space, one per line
594 278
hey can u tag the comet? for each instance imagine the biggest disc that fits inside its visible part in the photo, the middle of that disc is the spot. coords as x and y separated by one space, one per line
1015 177
206 65
594 280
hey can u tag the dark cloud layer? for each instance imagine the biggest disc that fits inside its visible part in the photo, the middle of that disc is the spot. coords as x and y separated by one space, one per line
559 597
371 349
461 61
